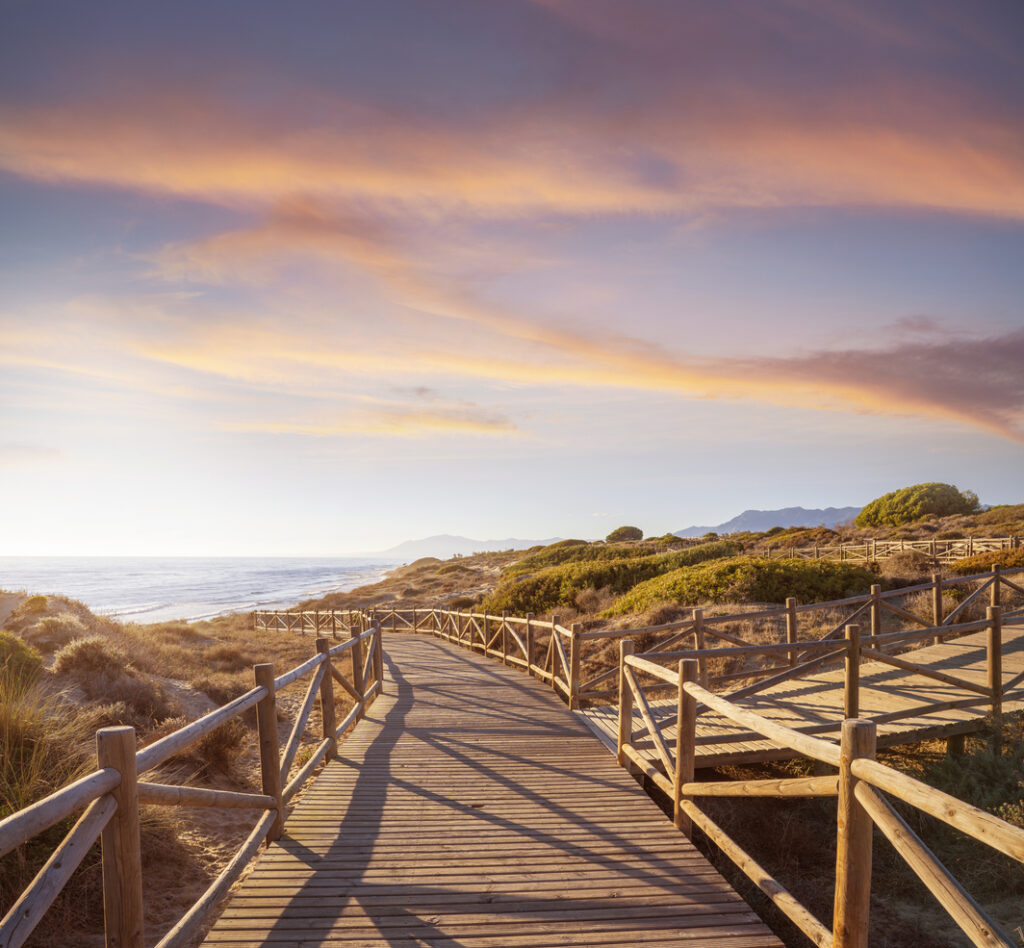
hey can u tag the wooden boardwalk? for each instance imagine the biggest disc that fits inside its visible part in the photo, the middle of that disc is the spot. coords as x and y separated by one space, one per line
471 808
814 704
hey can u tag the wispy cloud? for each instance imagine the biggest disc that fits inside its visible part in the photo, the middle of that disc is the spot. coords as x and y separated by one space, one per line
680 159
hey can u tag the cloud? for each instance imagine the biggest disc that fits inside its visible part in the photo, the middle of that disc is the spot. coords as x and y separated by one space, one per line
670 156
390 422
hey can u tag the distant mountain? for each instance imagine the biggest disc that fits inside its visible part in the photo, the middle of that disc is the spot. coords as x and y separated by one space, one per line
445 546
760 520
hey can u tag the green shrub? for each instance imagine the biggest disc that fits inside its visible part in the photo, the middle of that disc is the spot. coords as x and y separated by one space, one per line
582 552
35 604
983 562
910 504
20 663
620 534
748 579
559 585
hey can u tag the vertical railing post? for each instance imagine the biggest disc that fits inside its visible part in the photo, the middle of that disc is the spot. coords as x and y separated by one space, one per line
851 685
415 620
270 748
876 610
994 590
377 644
791 630
698 643
504 636
853 842
529 643
356 654
334 625
995 672
574 667
122 850
556 662
686 738
327 715
625 707
487 632
936 606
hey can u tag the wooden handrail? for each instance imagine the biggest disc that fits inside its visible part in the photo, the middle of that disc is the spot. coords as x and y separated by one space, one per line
111 796
859 806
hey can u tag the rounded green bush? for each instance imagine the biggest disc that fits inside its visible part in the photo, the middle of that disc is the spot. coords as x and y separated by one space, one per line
910 504
619 534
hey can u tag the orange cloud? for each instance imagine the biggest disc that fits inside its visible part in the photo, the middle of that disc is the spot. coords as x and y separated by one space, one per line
752 155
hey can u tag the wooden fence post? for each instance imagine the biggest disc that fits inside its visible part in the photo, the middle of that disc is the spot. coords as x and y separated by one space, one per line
122 851
698 643
994 590
529 643
415 621
356 653
327 715
556 662
995 672
377 644
876 610
574 667
270 748
853 843
686 738
504 636
625 707
851 686
936 605
791 634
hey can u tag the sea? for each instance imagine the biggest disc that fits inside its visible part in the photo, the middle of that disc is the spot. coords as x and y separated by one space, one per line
158 589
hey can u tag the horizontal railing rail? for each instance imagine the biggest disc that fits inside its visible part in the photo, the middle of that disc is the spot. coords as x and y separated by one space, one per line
110 796
942 551
859 787
568 658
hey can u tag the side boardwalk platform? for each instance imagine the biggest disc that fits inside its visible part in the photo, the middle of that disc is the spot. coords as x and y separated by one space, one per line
471 808
906 707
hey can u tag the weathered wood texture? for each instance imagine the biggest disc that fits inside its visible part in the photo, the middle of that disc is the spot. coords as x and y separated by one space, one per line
814 704
470 807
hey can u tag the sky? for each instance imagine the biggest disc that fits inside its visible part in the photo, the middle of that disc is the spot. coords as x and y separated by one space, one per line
309 279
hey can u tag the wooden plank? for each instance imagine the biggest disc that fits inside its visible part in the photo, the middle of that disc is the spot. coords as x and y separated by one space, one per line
471 807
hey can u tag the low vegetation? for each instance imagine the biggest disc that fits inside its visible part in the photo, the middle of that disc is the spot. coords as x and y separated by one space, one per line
747 579
969 565
561 585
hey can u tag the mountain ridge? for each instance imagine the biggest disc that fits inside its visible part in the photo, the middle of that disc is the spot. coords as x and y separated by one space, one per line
446 545
760 520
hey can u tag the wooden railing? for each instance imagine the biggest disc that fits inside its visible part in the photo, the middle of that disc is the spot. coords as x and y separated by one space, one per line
111 795
852 651
566 657
859 787
942 551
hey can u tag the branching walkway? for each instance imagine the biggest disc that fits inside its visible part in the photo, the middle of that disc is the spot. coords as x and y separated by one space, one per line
889 696
471 808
